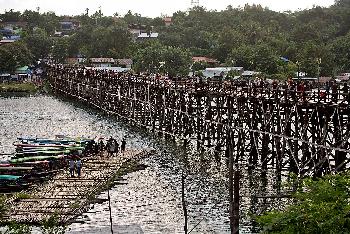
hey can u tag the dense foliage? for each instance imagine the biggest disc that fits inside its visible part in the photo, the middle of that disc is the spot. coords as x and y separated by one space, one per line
321 206
14 55
155 57
251 36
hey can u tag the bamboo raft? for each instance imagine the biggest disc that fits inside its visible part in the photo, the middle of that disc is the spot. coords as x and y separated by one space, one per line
68 197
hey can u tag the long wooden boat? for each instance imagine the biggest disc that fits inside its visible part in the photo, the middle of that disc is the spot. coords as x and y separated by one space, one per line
44 145
64 141
12 183
16 170
37 158
9 177
41 153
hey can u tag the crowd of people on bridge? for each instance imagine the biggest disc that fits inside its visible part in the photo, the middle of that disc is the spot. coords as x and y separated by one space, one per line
297 90
93 148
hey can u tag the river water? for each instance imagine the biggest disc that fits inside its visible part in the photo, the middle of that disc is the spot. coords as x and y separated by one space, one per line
147 201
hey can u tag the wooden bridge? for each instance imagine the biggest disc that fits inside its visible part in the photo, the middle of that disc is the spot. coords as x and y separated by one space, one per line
263 126
69 197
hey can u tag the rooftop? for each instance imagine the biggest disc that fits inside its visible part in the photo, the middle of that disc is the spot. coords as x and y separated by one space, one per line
5 41
204 59
148 35
102 60
123 61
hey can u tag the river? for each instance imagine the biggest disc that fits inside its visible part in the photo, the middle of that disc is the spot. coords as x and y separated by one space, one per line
147 201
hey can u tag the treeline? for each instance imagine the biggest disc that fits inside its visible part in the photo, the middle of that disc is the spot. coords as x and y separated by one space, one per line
315 41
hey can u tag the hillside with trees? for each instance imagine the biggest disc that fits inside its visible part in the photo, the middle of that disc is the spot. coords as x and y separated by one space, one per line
251 36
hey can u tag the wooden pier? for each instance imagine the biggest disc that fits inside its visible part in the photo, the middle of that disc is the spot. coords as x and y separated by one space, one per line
68 197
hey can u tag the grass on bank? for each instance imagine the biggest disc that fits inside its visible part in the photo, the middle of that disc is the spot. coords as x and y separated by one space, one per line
18 87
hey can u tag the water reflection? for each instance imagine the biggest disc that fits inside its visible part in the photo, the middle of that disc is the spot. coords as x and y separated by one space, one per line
151 198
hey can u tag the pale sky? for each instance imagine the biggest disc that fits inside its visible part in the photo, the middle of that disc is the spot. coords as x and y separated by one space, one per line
150 8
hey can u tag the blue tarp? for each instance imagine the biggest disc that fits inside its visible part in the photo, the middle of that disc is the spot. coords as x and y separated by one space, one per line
284 59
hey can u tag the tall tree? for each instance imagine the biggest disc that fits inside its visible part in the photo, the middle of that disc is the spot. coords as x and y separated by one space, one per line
39 44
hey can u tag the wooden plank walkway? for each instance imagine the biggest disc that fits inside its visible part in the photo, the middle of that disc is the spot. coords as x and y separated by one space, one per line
69 197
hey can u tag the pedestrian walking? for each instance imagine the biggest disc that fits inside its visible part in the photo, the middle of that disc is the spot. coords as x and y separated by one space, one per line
78 164
345 90
71 167
116 149
110 146
122 147
101 148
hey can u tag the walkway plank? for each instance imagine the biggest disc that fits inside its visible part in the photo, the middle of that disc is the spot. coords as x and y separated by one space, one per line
69 197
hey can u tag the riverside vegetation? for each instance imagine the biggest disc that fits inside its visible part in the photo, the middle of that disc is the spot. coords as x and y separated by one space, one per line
18 87
320 206
250 36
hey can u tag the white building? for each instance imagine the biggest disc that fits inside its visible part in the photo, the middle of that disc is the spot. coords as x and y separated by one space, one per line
220 71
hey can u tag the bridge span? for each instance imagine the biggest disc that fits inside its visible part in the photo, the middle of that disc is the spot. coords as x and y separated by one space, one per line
260 125
278 128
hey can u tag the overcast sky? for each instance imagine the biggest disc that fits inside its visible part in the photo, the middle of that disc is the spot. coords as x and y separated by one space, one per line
151 8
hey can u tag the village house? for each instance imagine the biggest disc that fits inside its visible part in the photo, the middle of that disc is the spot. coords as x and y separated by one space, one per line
250 74
13 25
6 41
209 61
75 61
69 24
12 30
167 21
136 29
124 63
142 32
147 36
111 63
102 62
221 71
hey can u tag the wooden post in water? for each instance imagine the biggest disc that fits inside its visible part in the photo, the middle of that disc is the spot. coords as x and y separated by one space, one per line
236 202
233 187
110 210
184 201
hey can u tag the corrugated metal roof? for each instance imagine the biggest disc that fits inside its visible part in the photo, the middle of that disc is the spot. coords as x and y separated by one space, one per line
124 61
148 35
6 41
250 73
204 59
102 60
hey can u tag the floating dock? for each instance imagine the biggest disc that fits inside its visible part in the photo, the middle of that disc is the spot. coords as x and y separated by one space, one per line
68 197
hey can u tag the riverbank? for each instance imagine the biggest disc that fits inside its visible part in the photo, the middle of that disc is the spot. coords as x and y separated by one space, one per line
18 88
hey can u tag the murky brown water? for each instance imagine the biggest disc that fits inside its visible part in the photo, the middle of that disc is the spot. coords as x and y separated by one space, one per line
148 201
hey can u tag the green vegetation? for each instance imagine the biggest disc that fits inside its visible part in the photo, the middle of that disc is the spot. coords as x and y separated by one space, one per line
320 206
2 205
14 55
18 87
167 59
53 226
17 228
251 36
23 195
